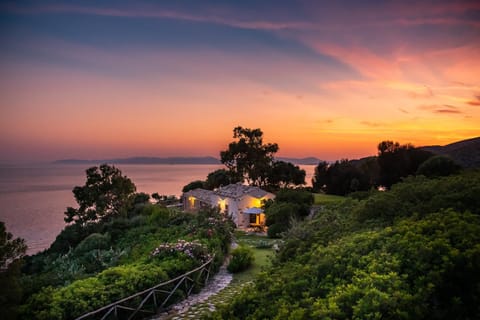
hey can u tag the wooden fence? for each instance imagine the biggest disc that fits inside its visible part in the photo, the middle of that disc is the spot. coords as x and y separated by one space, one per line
153 300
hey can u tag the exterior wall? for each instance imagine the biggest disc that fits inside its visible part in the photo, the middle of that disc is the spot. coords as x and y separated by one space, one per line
232 209
229 206
243 219
192 204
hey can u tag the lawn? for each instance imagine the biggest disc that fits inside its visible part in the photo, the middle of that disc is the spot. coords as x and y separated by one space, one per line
261 254
323 199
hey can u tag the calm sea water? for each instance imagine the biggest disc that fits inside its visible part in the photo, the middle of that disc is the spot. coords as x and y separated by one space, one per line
33 198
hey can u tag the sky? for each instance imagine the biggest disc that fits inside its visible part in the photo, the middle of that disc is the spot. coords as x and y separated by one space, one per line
331 79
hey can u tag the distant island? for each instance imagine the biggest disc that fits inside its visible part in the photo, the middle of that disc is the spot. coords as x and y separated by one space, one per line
176 160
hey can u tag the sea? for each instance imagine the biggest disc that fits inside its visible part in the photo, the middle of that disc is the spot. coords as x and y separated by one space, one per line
33 198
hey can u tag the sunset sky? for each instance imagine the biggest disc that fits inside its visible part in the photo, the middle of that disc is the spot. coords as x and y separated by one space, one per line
331 79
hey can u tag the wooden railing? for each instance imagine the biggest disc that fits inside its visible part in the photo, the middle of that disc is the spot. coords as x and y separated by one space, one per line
153 300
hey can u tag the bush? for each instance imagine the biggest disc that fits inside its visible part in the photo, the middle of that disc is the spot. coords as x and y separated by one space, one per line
438 166
409 253
242 259
159 216
95 241
276 230
118 261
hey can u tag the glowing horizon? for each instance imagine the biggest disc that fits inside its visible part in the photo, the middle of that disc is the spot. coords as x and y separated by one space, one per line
126 79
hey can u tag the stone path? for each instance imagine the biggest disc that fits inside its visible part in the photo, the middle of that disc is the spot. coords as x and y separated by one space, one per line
221 289
201 309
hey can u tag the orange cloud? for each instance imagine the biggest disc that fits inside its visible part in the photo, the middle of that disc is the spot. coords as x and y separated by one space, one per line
475 102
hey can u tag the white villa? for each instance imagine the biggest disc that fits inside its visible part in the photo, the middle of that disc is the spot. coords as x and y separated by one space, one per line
242 203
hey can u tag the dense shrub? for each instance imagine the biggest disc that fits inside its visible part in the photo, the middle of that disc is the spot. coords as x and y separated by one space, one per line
413 258
289 204
438 166
421 195
242 258
95 241
159 216
118 262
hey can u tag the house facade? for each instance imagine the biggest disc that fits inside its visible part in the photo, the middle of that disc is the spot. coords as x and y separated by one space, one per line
240 202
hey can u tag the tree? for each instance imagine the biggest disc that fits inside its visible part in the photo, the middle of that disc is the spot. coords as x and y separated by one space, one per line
248 158
340 178
164 200
397 161
319 180
289 204
285 174
11 251
106 193
193 185
438 166
156 196
218 178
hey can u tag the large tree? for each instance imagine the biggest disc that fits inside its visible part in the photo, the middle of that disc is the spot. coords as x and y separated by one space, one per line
106 193
218 178
340 178
11 252
397 161
285 174
10 249
248 158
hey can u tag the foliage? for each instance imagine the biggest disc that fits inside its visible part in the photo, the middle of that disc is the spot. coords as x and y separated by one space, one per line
11 251
285 174
106 194
419 261
140 198
248 158
10 290
241 259
71 236
192 249
92 293
165 200
193 185
419 195
298 196
289 204
116 260
95 241
438 166
325 199
279 216
218 178
339 178
397 161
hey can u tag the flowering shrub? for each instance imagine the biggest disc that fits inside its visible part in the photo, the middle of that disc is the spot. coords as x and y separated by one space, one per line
192 249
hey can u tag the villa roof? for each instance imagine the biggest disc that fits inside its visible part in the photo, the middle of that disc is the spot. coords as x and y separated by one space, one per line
238 190
201 194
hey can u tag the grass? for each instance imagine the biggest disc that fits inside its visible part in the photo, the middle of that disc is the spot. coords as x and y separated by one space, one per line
325 199
261 255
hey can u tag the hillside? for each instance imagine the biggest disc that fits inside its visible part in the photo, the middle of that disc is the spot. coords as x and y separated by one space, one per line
395 255
465 152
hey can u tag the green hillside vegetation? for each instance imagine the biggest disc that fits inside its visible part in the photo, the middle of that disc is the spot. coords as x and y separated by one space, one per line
107 266
409 253
117 243
326 199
